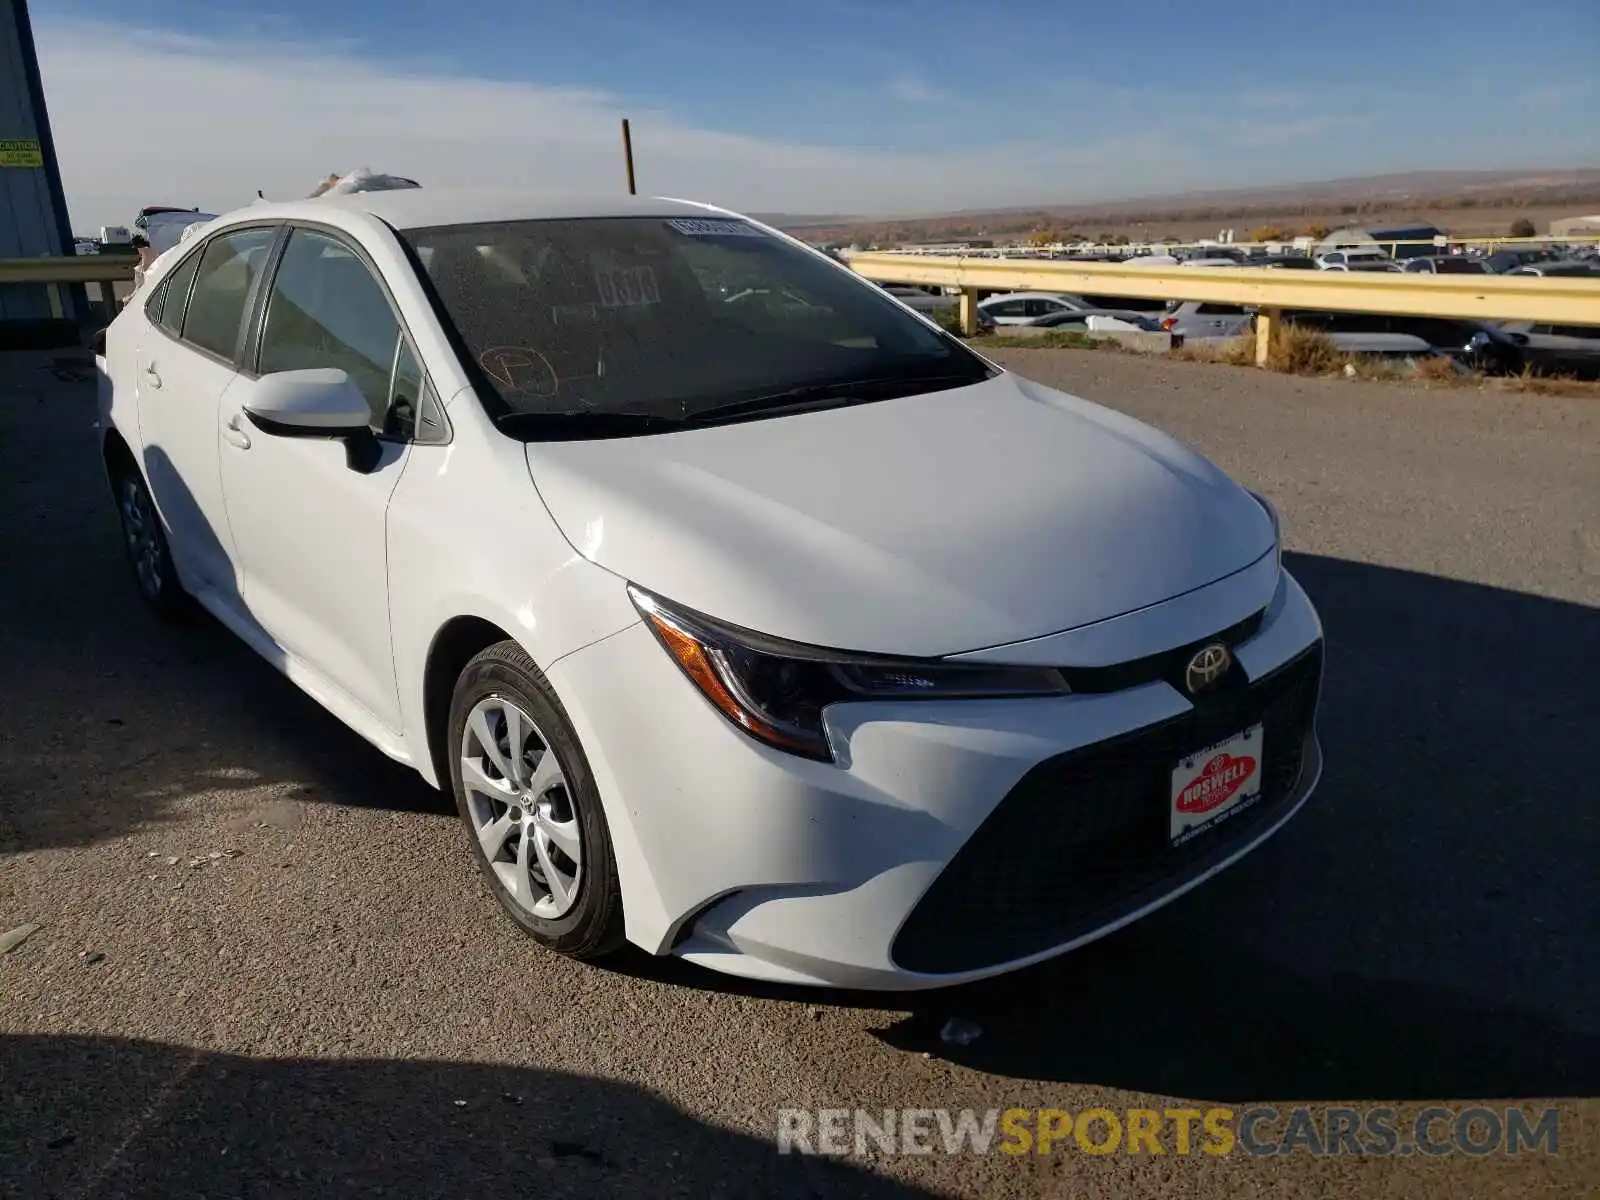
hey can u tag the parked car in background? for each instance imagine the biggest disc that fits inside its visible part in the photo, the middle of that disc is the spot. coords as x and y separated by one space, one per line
1024 308
1291 262
1475 344
1508 258
1140 304
1445 264
1560 268
1205 319
920 299
1343 258
1558 349
499 482
1098 320
1365 264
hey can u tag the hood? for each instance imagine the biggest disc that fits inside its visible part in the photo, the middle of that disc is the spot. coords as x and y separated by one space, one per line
924 526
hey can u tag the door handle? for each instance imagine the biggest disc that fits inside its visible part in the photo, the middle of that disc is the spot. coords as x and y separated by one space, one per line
152 376
233 433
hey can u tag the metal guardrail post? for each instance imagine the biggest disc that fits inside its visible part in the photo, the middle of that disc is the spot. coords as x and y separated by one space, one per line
968 312
1267 321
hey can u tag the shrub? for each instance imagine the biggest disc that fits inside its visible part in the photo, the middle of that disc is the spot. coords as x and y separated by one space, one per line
1522 227
1300 351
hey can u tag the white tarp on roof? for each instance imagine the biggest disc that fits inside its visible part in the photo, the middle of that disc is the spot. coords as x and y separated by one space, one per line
362 179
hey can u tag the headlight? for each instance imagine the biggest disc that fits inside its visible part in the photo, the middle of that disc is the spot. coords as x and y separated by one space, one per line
775 690
1277 526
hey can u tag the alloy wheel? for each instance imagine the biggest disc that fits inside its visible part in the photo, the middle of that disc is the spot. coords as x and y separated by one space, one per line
140 529
521 808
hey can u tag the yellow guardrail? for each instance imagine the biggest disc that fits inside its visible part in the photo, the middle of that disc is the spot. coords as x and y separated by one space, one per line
1556 299
1305 244
84 268
53 273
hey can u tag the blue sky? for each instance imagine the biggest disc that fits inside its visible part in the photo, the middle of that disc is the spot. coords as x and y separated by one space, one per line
821 106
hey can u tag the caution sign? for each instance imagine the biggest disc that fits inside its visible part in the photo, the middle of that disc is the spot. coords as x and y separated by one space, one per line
21 152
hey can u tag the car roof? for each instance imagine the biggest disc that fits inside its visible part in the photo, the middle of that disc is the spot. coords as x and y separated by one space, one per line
413 208
1028 296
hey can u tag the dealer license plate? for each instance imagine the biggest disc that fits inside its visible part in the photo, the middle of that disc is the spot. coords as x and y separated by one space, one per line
1214 784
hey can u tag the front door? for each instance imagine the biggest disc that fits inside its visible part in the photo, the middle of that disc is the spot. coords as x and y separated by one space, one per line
310 527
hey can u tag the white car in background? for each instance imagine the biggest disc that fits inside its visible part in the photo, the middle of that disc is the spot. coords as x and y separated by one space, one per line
1023 308
1347 258
800 642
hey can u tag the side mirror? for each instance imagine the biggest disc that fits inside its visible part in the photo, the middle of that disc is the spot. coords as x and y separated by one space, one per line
318 402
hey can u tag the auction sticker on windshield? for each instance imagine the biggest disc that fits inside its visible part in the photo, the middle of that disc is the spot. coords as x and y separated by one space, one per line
708 227
1214 784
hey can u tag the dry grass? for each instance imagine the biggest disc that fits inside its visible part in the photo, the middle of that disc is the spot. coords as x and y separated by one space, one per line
1236 352
1299 351
1546 385
1066 340
1439 369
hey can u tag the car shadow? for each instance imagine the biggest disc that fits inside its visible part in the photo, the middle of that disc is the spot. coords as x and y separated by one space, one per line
1424 928
107 713
115 1117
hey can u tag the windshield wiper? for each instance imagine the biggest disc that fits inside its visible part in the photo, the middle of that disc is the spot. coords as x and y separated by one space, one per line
585 423
823 395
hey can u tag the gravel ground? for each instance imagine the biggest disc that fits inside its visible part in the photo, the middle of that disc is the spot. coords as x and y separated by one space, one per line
266 967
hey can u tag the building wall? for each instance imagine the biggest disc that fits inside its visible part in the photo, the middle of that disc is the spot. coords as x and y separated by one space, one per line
33 215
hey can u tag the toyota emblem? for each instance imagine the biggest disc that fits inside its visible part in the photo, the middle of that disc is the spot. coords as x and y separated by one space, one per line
1209 664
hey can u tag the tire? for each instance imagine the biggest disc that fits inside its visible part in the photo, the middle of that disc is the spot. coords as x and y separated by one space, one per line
521 829
145 541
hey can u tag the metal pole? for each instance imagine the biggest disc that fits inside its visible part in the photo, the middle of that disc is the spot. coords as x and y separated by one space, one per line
627 153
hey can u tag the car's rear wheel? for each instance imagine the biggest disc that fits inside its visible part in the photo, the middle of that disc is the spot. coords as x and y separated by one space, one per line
523 787
146 543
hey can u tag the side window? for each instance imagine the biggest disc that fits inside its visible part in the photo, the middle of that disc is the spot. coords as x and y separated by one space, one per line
175 294
153 306
1007 308
414 411
327 310
228 267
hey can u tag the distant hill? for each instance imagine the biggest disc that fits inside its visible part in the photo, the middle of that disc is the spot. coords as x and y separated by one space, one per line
1474 198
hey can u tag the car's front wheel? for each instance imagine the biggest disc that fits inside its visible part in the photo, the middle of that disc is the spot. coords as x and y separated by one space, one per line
146 543
523 788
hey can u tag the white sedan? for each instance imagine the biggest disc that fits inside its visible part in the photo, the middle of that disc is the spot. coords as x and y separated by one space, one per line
797 641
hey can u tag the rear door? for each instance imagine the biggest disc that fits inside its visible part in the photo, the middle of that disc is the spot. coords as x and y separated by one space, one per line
310 526
183 368
1008 312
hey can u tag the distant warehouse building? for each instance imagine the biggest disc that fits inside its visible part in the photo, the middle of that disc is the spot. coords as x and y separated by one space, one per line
33 210
1575 226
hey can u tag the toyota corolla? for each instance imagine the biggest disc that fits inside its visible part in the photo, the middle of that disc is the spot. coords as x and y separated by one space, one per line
749 617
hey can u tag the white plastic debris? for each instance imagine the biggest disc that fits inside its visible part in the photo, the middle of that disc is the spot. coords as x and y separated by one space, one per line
958 1032
13 938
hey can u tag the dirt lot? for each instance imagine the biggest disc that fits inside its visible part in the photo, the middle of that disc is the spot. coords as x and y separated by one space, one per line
267 968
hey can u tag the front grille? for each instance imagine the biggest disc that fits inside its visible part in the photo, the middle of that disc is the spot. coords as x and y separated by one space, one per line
1083 838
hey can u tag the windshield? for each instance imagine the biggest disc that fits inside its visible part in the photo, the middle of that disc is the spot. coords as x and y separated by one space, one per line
668 318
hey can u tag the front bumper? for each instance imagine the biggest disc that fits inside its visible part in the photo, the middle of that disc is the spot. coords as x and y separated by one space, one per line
950 840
